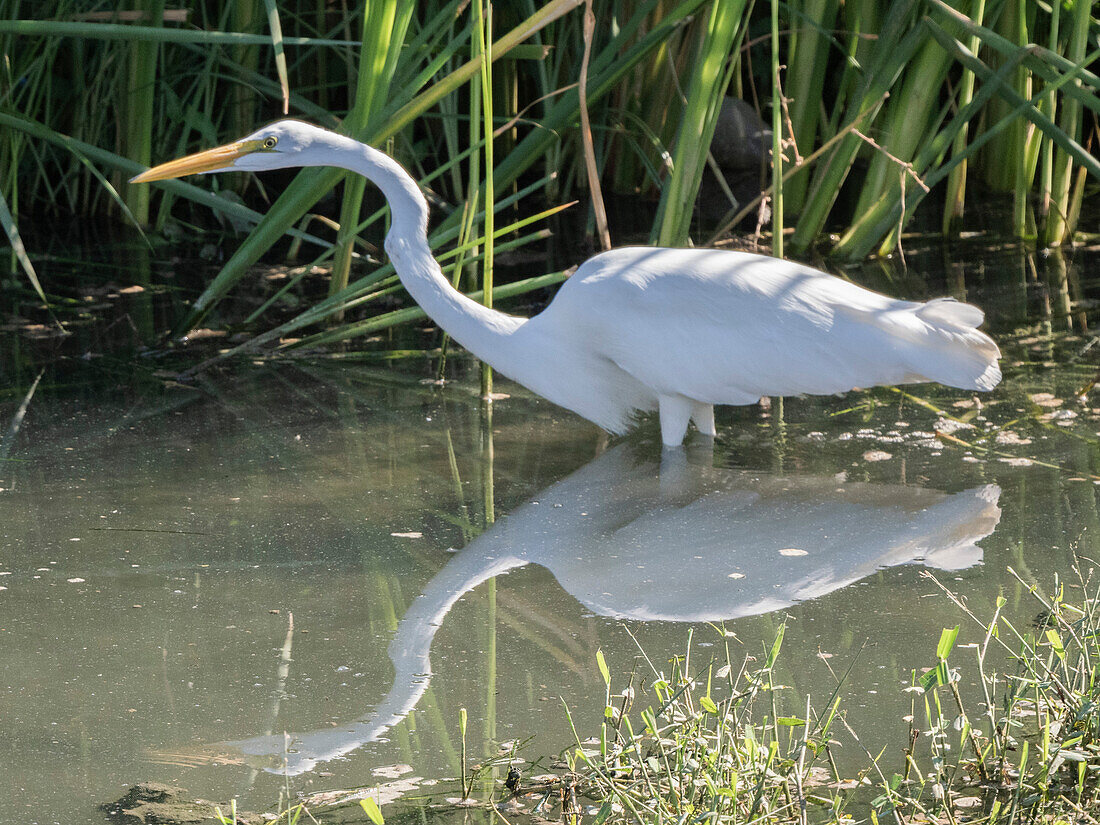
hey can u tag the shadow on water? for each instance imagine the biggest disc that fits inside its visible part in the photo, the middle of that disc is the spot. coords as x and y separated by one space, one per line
155 539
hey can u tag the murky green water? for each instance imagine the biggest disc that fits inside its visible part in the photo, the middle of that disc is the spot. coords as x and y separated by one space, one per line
189 572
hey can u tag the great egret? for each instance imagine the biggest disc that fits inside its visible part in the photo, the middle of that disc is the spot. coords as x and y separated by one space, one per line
640 328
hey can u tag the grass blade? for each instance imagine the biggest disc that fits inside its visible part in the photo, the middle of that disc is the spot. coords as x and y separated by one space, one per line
276 30
311 184
12 231
706 91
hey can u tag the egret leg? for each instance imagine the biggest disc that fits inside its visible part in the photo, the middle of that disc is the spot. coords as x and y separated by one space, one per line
703 416
675 411
674 474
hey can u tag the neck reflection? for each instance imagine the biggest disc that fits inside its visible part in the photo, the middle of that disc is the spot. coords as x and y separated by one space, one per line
636 539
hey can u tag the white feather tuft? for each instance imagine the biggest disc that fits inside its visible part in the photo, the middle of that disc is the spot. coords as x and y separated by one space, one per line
947 312
957 353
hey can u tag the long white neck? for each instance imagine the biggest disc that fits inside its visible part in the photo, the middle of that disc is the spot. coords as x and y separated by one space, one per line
536 352
485 332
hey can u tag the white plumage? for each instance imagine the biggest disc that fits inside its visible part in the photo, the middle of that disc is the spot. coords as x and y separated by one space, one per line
644 328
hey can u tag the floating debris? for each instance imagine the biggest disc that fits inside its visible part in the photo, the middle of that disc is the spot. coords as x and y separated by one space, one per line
877 455
1045 399
392 771
149 802
1062 417
951 425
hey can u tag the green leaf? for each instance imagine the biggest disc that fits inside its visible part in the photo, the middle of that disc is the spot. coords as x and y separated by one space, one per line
12 231
776 645
1073 756
603 667
708 705
276 29
930 679
1056 643
603 813
790 721
947 641
153 34
371 809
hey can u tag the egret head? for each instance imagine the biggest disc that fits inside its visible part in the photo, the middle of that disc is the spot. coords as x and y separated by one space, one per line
282 144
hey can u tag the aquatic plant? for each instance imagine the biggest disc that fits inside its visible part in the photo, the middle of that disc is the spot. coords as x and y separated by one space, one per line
722 742
884 101
1012 737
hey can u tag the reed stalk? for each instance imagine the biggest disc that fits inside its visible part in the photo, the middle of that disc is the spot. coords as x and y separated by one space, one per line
242 107
591 166
1026 139
1049 106
777 138
385 23
709 78
1000 160
955 200
885 66
1057 229
812 22
151 33
19 251
483 25
275 29
137 123
911 115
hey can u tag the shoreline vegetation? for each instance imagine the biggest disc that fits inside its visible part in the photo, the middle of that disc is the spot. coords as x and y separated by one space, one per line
1002 729
872 112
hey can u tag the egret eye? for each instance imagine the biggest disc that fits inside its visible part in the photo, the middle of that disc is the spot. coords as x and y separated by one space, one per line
269 142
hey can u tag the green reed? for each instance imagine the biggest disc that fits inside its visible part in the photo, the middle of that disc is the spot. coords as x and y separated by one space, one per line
724 742
888 101
709 77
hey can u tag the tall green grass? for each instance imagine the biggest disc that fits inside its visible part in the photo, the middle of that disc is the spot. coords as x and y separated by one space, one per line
874 108
1008 735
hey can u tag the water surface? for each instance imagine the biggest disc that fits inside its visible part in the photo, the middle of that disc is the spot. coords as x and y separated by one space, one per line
190 572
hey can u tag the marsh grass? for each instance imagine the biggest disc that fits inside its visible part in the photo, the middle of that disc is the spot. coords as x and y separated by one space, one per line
1003 727
723 741
894 102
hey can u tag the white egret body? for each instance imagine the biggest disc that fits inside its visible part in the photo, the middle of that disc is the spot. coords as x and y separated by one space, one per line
643 328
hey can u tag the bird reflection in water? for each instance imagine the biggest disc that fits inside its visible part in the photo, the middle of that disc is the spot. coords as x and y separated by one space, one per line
682 542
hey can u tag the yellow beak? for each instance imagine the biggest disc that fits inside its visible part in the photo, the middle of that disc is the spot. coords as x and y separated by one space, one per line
211 160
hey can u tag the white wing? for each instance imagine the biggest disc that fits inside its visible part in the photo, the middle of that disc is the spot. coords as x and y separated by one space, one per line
727 327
